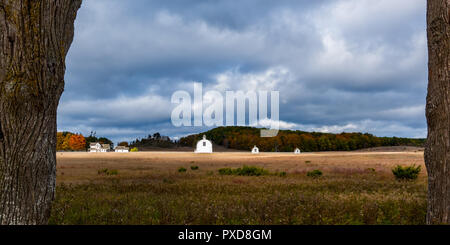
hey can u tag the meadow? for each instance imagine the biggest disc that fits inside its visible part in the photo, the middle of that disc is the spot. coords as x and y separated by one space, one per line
168 188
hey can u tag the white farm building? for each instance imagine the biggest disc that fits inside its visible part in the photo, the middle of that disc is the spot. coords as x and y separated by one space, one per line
255 150
122 149
97 147
204 146
297 151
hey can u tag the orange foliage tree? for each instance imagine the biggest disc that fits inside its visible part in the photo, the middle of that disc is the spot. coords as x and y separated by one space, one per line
77 142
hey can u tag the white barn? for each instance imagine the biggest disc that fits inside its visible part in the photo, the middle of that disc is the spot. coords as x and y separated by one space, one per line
122 149
97 147
255 150
297 151
204 146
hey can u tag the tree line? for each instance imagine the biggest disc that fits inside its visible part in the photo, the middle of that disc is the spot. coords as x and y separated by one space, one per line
155 140
244 138
68 141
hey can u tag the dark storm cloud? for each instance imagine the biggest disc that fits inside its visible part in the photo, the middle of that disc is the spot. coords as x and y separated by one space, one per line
353 65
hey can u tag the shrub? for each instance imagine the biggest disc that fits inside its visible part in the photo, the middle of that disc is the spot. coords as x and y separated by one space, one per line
244 171
182 170
106 171
194 168
282 174
135 149
251 171
406 173
307 162
113 172
314 174
102 171
225 171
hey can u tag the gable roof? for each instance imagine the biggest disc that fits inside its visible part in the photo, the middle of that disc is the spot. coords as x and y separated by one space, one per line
122 148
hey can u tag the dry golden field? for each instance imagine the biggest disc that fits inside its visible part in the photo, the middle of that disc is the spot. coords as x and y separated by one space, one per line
83 167
147 188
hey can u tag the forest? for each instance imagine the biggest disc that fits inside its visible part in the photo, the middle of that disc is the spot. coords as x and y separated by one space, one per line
68 141
244 138
154 141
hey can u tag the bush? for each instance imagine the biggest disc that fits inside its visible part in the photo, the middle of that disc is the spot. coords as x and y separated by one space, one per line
307 162
244 171
194 168
182 170
113 172
282 174
225 171
314 174
102 171
406 173
108 172
251 171
135 149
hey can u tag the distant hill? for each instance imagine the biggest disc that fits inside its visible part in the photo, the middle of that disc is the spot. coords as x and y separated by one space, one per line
244 138
154 142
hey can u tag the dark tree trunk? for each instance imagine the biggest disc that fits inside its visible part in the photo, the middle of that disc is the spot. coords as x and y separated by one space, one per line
35 36
437 154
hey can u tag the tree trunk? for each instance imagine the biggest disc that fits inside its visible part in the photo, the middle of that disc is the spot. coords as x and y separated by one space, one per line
35 36
437 153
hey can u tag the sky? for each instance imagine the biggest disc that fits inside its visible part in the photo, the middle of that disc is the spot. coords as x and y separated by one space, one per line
340 65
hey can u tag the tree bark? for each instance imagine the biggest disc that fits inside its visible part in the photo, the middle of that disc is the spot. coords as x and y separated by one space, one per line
35 36
437 153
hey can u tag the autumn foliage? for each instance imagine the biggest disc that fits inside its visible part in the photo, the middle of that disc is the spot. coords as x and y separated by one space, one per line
77 142
244 138
67 141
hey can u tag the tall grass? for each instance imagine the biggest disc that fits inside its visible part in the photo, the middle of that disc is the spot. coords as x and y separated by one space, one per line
210 198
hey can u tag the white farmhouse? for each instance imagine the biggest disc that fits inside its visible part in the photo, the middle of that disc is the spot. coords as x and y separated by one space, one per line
97 147
255 150
204 146
122 149
297 151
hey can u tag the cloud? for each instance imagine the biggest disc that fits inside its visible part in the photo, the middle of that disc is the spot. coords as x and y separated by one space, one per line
121 111
383 128
268 80
335 63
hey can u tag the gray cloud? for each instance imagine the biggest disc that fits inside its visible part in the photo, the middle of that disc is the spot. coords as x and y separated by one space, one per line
336 63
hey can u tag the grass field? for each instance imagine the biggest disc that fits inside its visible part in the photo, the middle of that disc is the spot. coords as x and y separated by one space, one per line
147 188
